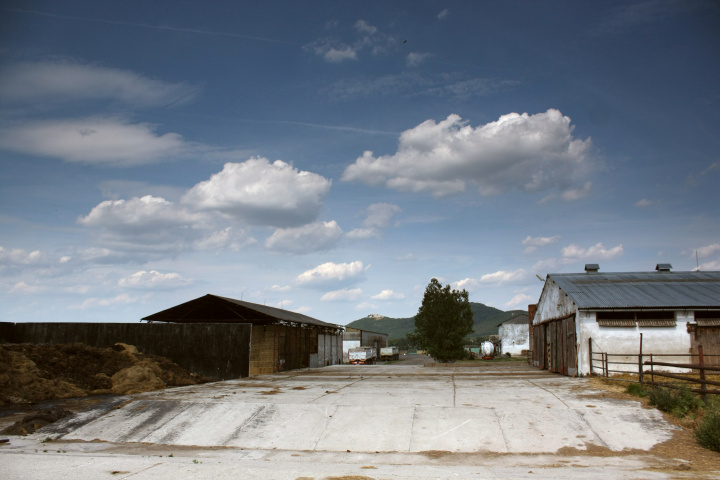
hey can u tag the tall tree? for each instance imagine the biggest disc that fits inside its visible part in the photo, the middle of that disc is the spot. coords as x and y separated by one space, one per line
442 322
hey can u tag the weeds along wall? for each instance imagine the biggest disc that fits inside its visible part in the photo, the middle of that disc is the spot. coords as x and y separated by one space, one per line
217 350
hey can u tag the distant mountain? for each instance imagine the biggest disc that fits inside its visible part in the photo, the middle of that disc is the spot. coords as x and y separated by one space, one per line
485 322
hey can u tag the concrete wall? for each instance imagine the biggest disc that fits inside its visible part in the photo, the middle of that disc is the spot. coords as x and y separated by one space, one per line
217 350
626 340
514 338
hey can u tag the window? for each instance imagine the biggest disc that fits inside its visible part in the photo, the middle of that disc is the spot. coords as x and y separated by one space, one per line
641 319
708 318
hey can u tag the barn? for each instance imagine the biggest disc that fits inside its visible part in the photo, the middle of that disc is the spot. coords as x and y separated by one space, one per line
280 339
514 335
579 313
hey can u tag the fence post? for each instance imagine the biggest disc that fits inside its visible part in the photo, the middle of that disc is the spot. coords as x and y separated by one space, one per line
652 371
703 386
640 362
607 373
591 355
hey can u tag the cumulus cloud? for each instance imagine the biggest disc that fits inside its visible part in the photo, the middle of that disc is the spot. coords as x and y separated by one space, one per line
67 81
332 273
533 243
378 218
97 140
520 299
413 59
643 203
363 27
708 266
313 237
120 299
24 288
154 226
595 252
345 295
154 279
708 250
262 193
496 278
367 37
388 295
18 257
530 153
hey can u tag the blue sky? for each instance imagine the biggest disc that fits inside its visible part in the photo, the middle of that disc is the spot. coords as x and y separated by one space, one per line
331 158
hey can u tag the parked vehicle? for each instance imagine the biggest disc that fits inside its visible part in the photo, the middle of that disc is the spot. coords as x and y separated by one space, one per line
488 350
390 353
362 356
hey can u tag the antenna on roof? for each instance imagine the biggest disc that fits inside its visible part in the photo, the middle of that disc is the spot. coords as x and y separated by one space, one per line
697 265
539 277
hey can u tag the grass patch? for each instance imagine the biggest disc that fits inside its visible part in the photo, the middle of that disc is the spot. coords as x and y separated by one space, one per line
678 402
637 389
707 433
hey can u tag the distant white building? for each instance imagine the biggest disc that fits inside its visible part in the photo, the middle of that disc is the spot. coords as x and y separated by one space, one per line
580 314
514 335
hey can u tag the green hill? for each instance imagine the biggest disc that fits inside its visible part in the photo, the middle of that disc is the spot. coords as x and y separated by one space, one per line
485 322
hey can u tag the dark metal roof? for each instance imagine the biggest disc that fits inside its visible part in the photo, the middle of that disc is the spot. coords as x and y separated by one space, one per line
216 309
663 289
521 319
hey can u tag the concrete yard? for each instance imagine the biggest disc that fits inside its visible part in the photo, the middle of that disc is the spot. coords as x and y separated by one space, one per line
496 420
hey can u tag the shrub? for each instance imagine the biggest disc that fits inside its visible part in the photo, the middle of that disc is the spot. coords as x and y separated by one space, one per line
708 432
678 402
637 389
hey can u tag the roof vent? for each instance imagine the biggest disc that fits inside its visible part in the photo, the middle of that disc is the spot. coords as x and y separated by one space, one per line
592 267
663 267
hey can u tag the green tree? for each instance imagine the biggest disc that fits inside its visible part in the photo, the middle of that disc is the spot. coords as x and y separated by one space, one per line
442 322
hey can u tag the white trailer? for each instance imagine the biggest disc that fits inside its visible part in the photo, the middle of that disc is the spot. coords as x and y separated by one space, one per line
389 353
362 356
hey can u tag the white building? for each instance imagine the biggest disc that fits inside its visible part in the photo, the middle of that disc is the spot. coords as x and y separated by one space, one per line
606 312
514 335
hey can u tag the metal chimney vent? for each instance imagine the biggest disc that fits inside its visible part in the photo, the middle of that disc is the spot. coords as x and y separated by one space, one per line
663 267
592 267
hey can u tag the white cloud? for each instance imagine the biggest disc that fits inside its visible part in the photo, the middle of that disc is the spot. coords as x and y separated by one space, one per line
262 193
410 257
344 295
707 250
313 237
153 279
24 288
65 81
363 27
365 306
708 266
643 203
332 51
531 153
388 295
443 14
332 273
496 278
577 193
378 218
280 288
595 252
225 239
534 242
413 59
20 257
520 299
120 299
97 140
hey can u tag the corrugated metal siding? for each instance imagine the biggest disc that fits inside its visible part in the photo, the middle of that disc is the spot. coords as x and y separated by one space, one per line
641 289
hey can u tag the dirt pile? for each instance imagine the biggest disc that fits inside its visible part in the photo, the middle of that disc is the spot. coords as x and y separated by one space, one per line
36 421
31 373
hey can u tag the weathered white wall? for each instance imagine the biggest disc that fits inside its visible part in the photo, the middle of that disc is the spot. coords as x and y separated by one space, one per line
514 338
554 303
626 340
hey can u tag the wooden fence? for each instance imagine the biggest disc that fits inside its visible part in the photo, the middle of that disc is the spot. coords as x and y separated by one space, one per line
608 366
